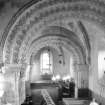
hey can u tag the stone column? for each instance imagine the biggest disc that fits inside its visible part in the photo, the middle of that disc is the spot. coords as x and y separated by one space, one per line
28 80
81 77
76 81
84 69
12 85
22 88
82 74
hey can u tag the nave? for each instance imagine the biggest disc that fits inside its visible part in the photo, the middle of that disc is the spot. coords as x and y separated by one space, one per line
52 51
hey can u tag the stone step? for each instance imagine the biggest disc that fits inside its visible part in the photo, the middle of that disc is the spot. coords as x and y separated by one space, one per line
72 101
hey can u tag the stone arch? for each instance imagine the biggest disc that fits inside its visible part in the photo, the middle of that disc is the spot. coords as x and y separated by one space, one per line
54 34
52 45
32 14
54 41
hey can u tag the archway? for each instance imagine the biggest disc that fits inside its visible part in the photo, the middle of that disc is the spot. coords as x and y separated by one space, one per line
28 25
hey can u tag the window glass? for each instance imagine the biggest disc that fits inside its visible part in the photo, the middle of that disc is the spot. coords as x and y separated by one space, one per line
46 62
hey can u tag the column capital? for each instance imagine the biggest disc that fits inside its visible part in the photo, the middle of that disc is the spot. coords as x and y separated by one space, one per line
11 68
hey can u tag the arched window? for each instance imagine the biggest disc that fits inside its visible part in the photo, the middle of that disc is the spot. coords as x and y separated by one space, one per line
46 62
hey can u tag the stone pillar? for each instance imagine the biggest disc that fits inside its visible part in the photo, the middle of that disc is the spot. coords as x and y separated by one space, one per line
84 69
81 77
76 84
76 92
1 54
82 74
22 90
28 80
21 85
13 84
76 81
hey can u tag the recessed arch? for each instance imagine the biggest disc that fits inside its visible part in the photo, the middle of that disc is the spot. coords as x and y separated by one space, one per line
56 41
49 35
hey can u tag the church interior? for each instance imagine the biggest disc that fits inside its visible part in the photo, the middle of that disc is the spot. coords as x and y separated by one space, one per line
52 52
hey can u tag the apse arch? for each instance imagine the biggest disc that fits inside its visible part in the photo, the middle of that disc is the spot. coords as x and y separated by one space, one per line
54 33
31 16
36 49
57 41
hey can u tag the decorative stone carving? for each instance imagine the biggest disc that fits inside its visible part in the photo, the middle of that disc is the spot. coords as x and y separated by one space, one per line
75 8
49 37
15 94
35 47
